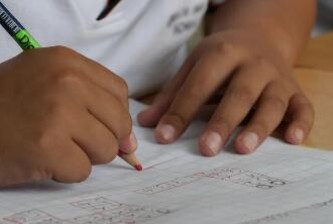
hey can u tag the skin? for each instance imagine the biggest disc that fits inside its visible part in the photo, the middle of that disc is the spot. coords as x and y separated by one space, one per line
61 113
247 55
59 117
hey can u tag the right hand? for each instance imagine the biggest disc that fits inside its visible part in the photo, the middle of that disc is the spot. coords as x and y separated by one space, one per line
60 113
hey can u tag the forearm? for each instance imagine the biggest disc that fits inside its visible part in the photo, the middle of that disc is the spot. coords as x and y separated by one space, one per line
284 24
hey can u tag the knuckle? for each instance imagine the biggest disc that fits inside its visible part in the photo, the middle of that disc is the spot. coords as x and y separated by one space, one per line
50 127
46 133
44 140
57 112
61 52
224 48
265 65
64 68
179 119
67 78
261 61
193 94
277 103
243 94
44 144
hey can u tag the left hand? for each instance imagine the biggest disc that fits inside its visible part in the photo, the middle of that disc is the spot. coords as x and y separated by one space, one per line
251 73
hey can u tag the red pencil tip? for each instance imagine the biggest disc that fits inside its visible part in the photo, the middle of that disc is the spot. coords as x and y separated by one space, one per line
138 167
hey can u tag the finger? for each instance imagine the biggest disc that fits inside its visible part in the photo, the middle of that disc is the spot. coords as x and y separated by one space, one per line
206 77
94 138
151 116
129 144
102 104
239 98
106 108
108 81
302 119
72 167
108 111
94 71
269 114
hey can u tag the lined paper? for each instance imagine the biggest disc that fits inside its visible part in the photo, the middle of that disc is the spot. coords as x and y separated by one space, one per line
278 184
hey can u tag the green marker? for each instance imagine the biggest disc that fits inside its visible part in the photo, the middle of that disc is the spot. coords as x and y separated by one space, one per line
16 30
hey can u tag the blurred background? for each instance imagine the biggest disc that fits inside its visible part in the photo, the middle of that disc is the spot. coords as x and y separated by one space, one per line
324 23
325 17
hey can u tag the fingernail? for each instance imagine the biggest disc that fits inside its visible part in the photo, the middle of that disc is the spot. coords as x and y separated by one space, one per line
298 135
250 141
167 132
214 142
130 144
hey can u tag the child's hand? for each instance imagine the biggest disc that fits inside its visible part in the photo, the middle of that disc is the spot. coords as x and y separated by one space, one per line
251 75
59 113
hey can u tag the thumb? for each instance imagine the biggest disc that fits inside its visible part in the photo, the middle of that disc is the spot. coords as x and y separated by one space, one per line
129 144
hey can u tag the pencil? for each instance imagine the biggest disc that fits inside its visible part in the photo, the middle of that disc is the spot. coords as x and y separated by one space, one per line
131 160
26 41
15 29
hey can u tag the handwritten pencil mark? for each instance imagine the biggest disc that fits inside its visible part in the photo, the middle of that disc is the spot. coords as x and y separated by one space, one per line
234 175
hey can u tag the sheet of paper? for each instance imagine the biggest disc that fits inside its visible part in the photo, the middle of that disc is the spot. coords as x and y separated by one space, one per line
278 184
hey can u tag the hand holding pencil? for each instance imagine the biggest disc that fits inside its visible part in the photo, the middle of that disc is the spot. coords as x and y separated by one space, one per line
126 152
62 114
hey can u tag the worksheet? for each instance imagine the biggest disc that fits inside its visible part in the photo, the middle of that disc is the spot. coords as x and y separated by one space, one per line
278 184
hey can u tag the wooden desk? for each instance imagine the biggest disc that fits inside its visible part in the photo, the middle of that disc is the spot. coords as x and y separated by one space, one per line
315 73
318 55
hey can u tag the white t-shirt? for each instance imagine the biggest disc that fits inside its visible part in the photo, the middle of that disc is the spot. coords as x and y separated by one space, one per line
143 41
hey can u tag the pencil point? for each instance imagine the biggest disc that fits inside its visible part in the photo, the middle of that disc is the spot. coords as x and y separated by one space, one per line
138 167
131 160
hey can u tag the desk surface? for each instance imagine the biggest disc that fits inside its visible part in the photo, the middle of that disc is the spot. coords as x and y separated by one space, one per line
315 73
